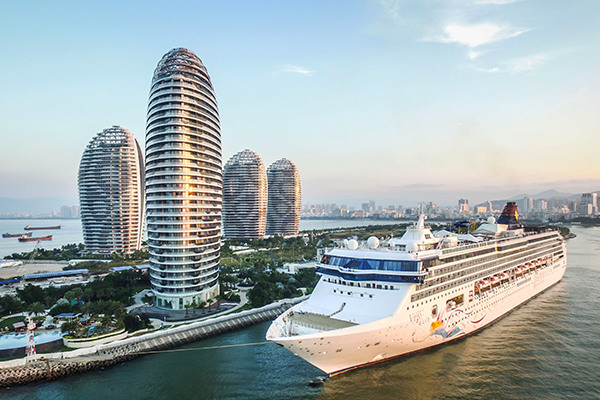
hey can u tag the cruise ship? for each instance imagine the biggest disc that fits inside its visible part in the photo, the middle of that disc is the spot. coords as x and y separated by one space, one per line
374 303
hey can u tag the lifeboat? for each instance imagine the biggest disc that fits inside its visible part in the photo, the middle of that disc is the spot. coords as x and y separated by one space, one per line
495 280
484 284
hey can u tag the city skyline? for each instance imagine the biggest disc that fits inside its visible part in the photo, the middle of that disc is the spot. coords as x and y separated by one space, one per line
397 101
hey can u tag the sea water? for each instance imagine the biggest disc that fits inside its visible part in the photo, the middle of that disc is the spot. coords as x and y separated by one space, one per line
547 349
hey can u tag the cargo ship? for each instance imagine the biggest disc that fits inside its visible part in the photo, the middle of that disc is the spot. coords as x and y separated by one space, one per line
34 239
39 228
376 303
11 235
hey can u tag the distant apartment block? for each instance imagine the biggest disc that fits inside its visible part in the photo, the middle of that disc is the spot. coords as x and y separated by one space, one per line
69 211
284 199
111 195
592 200
244 197
463 206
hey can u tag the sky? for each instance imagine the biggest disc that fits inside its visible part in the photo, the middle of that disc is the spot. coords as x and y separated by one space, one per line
393 101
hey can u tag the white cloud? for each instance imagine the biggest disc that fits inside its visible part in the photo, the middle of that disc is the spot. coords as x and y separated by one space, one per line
526 63
391 8
297 69
474 54
477 34
492 70
521 64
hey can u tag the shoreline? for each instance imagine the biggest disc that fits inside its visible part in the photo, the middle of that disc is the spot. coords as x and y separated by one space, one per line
50 366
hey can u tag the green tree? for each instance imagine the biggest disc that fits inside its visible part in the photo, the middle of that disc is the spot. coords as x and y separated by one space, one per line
30 294
69 327
37 308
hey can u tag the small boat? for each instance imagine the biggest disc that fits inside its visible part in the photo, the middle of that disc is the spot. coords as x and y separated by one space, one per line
11 235
319 381
38 228
34 239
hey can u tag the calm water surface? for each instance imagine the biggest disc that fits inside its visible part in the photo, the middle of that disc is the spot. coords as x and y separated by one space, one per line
70 231
547 349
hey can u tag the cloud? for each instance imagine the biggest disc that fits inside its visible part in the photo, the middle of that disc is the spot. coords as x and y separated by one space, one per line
526 63
391 8
474 54
476 35
297 69
491 70
516 65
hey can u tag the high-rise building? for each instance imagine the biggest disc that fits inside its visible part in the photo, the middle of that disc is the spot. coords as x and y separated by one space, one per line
463 206
183 182
590 198
283 210
111 192
244 197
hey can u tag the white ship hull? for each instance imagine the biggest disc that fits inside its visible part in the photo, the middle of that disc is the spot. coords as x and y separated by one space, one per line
413 327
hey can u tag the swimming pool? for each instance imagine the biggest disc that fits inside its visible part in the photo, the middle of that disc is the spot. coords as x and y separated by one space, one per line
15 340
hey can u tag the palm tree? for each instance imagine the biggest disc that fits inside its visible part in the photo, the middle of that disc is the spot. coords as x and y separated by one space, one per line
37 308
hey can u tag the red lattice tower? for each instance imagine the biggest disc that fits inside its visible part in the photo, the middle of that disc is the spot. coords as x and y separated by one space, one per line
31 338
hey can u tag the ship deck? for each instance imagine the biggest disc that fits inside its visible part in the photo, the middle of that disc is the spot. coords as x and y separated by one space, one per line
318 321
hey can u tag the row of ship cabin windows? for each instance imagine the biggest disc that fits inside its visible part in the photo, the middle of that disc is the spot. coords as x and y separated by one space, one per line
365 285
370 277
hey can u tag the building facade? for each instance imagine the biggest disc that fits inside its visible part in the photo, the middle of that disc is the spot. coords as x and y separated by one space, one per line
284 200
244 197
111 192
183 182
590 199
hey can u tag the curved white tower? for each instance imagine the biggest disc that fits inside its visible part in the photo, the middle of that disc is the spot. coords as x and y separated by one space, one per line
183 181
244 196
111 195
283 212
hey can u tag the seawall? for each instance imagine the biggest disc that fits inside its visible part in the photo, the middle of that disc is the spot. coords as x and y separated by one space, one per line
55 365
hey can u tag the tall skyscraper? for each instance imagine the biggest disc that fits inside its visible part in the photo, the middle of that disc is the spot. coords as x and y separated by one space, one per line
183 181
284 203
111 192
244 197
